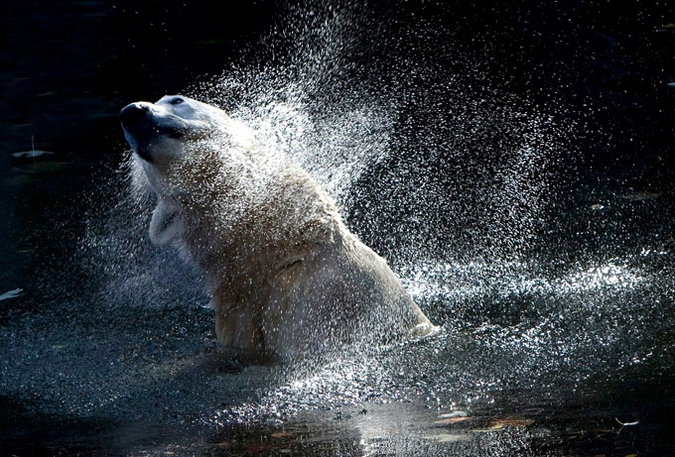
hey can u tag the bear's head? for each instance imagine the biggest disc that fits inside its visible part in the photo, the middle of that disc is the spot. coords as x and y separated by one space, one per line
158 131
178 138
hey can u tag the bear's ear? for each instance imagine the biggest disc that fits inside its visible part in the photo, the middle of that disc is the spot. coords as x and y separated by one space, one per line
165 226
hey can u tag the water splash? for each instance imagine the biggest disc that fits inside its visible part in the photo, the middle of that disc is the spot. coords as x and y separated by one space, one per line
507 328
439 166
311 102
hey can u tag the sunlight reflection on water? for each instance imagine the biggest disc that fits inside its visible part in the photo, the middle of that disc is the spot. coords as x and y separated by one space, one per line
465 281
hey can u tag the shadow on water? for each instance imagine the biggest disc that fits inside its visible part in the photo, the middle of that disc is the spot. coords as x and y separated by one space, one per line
494 178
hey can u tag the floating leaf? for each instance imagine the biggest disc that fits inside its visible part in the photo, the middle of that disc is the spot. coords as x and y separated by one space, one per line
11 294
492 428
499 424
451 420
514 422
627 424
32 153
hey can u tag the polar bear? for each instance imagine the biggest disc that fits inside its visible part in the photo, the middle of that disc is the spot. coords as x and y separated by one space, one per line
285 274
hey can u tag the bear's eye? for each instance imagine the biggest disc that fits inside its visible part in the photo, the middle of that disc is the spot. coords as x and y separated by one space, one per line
177 101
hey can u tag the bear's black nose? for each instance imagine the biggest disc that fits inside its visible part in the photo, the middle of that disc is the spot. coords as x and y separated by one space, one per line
134 114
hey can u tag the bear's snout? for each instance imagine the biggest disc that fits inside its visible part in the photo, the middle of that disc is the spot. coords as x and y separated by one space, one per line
146 124
134 115
136 120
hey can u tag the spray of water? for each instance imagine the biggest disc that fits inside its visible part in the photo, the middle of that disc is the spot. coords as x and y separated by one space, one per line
308 106
420 161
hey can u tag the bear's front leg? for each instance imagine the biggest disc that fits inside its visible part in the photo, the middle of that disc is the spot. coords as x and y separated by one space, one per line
237 327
